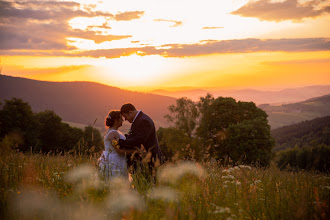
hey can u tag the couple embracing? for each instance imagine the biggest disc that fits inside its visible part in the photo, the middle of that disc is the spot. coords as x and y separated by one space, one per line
122 151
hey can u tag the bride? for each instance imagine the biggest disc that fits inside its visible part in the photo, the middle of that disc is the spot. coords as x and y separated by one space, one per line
113 161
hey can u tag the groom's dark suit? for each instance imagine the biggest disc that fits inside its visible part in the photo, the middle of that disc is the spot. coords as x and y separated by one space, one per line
143 132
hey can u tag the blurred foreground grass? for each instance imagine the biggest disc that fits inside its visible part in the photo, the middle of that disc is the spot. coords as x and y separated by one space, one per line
35 186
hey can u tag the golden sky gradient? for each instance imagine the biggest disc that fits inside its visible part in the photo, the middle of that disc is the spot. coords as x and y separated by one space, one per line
149 44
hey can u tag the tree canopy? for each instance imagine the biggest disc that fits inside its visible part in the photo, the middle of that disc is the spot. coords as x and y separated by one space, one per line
230 129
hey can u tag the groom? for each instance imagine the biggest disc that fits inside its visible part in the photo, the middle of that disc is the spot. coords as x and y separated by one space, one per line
142 132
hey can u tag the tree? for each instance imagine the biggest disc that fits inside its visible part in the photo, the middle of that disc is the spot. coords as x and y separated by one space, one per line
233 129
184 115
51 133
16 116
172 141
181 138
71 137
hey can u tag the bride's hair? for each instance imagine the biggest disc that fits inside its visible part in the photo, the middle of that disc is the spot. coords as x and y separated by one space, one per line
112 116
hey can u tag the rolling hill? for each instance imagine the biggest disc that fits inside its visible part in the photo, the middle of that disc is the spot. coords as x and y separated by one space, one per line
82 102
306 133
282 115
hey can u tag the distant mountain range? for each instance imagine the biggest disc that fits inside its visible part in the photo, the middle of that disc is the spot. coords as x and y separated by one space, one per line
82 102
283 115
284 96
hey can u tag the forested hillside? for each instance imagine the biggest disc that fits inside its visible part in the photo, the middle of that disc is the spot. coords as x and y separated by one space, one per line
306 133
283 115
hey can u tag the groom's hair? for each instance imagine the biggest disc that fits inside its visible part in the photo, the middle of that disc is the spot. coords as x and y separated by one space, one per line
126 108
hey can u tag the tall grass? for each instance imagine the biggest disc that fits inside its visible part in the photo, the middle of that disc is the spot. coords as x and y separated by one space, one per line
36 186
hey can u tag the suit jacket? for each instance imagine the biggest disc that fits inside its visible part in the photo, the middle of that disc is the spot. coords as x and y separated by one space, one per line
143 132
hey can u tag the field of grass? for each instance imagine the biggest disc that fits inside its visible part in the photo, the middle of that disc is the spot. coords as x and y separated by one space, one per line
35 186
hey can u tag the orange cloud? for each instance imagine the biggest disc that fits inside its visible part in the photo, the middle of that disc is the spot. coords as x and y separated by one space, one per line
210 28
176 23
286 10
129 15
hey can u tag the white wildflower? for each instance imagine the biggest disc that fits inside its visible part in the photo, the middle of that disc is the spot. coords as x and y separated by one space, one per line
125 200
221 210
237 183
172 172
244 166
257 181
83 177
164 193
228 177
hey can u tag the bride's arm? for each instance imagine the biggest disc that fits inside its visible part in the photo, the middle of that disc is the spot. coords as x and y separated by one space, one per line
115 136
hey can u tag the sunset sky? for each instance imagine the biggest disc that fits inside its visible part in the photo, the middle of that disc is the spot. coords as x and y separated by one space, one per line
150 44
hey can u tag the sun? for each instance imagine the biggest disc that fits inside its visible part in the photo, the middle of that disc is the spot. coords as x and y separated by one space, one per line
136 70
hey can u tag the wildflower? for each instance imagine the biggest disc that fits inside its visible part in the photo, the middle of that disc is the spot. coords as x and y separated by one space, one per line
228 177
115 144
118 184
221 210
225 171
84 177
164 193
171 173
246 167
125 200
257 181
226 182
80 173
237 183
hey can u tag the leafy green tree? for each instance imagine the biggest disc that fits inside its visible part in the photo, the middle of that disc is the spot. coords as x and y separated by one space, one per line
249 141
238 130
71 137
51 133
181 138
172 141
16 117
184 115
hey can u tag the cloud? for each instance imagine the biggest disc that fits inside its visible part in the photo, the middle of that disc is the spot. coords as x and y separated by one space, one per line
218 47
204 47
210 28
43 25
176 23
129 15
285 10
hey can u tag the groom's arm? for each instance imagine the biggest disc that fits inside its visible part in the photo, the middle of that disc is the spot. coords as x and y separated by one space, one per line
142 133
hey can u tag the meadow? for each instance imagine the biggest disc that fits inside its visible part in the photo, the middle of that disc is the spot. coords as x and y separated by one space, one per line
69 186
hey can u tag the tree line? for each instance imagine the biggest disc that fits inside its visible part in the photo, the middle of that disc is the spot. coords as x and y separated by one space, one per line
24 130
219 128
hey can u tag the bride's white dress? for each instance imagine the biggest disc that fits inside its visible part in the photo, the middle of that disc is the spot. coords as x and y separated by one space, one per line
111 163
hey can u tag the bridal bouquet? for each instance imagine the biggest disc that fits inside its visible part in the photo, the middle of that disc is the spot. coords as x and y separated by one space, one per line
115 144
